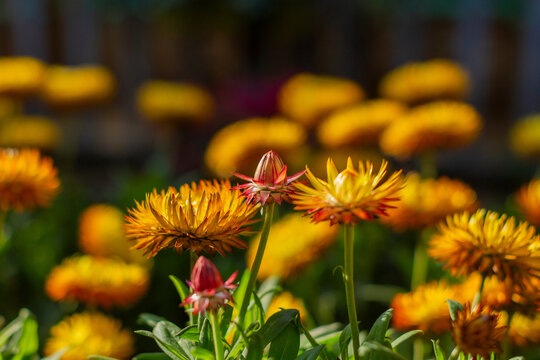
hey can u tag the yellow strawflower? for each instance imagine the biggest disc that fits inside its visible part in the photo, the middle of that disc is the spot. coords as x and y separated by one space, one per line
30 131
305 243
90 333
286 300
170 101
524 329
307 97
359 125
525 136
97 281
20 76
425 81
238 147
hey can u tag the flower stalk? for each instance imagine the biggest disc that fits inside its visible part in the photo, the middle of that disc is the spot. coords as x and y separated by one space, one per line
348 278
216 334
268 215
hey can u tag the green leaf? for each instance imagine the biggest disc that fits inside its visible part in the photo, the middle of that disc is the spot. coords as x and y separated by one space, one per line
311 354
379 328
454 306
344 340
145 333
151 356
226 317
241 289
439 354
275 325
181 288
202 354
406 337
164 334
190 332
149 320
28 343
205 336
518 358
385 353
255 347
285 346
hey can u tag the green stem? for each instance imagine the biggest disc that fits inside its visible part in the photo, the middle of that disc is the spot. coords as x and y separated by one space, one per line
428 165
3 237
418 349
478 295
216 333
454 353
348 278
268 215
421 260
313 342
506 346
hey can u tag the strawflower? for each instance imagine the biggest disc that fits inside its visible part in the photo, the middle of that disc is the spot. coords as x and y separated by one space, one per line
528 201
270 183
30 132
425 81
525 329
359 125
433 126
97 281
239 146
209 291
305 243
349 196
525 136
20 76
205 216
27 180
286 300
478 331
307 98
90 333
491 244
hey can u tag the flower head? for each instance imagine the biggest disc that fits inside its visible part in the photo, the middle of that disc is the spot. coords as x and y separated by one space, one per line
528 201
491 244
270 182
77 87
525 136
209 291
97 281
27 180
90 333
20 76
207 216
349 196
239 146
307 98
478 331
165 101
359 125
425 308
496 294
101 233
286 300
433 126
425 202
425 81
30 131
305 243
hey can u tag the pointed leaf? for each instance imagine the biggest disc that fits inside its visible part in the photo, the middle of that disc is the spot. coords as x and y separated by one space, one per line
379 328
28 343
255 347
164 334
149 320
151 356
202 354
406 337
439 354
454 307
311 354
344 340
226 317
190 332
181 288
285 346
381 351
275 325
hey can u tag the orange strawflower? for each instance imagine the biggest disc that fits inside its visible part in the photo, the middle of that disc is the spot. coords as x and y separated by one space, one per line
478 331
349 196
528 201
207 216
27 180
425 202
525 329
97 281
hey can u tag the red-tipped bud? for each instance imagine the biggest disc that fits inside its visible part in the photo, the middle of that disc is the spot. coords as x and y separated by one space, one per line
209 290
205 275
269 168
270 182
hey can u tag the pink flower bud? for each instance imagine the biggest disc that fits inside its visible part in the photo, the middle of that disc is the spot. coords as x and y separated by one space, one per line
205 275
269 168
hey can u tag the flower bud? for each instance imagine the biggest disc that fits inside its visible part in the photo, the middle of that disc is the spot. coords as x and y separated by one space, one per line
205 275
269 168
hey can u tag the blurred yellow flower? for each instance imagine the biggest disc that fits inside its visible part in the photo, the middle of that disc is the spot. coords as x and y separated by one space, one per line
239 146
425 308
307 98
528 201
495 293
306 242
27 180
316 160
30 131
77 87
349 196
425 202
170 101
525 136
433 126
491 244
97 281
90 333
478 331
101 233
425 81
286 300
20 76
524 329
360 124
207 216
